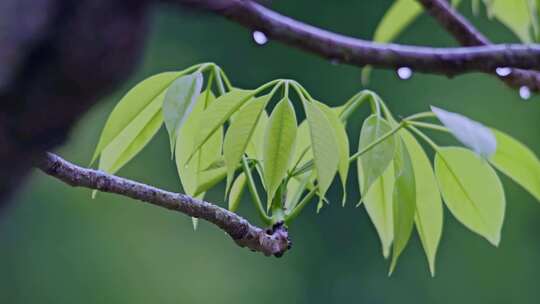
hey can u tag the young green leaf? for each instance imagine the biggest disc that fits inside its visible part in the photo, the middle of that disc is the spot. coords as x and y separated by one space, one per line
472 191
378 204
240 133
279 143
255 147
429 210
236 192
209 179
132 106
342 143
404 202
219 163
178 103
324 145
398 17
295 188
302 155
132 139
518 162
471 133
303 152
193 174
376 160
218 113
515 15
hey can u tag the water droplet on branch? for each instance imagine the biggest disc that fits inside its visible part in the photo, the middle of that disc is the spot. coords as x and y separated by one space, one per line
404 73
259 37
525 92
503 72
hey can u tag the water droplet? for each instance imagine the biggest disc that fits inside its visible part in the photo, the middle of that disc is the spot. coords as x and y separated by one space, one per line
404 73
525 92
259 38
503 72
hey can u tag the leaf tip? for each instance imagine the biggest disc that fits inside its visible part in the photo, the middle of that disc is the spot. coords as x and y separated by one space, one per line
495 239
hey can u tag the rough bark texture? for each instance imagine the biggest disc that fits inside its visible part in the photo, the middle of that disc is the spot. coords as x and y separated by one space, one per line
275 241
445 61
57 57
467 35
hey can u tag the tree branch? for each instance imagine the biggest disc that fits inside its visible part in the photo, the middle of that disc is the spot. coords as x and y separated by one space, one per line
467 35
446 61
275 241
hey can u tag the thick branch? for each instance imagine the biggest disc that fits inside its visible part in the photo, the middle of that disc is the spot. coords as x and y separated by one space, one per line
447 61
274 242
468 35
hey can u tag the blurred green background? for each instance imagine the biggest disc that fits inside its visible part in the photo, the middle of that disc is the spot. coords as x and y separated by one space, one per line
60 246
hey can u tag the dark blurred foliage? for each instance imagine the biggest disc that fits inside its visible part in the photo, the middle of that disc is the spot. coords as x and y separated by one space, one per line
60 246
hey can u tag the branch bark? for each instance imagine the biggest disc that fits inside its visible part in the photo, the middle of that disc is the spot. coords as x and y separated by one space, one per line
274 241
467 35
446 61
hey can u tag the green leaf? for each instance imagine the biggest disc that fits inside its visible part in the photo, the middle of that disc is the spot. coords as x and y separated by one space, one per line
324 145
429 210
193 174
240 132
398 17
279 140
132 105
255 147
132 139
219 163
515 15
178 103
209 179
302 155
471 133
295 188
376 160
218 113
378 204
534 10
342 143
472 191
236 192
518 162
303 152
404 202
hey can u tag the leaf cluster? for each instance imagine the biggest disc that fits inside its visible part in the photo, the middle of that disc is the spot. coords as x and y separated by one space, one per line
255 142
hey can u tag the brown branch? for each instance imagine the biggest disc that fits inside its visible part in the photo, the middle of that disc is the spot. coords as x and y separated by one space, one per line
467 35
446 61
272 242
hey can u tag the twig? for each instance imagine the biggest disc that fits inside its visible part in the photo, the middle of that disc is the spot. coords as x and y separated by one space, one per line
275 241
467 35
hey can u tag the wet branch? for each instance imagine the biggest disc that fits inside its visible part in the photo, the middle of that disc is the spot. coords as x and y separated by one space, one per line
467 35
477 56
